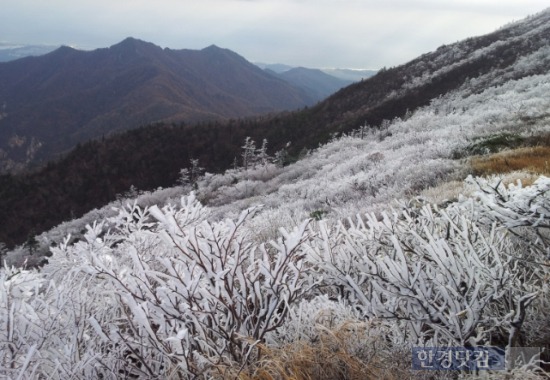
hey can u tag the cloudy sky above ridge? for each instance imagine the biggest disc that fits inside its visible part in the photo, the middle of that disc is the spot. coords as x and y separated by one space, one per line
311 33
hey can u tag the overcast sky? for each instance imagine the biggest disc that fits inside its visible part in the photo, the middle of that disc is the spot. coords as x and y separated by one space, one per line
311 33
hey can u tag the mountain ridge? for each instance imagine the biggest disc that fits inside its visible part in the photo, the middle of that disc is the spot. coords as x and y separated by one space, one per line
87 94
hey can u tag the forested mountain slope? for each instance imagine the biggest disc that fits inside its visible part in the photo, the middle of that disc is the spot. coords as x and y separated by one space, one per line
334 266
51 102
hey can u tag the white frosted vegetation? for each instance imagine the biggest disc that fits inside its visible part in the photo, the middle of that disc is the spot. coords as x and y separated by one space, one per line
353 174
166 287
167 291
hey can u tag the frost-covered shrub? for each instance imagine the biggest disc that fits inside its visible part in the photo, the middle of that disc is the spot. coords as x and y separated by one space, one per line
44 332
390 269
19 256
166 292
445 192
445 277
523 211
265 226
188 295
309 317
20 319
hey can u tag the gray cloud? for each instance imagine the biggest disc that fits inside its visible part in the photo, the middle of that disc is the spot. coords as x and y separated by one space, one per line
314 33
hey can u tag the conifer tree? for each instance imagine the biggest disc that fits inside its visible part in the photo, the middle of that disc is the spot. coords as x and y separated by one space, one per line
249 153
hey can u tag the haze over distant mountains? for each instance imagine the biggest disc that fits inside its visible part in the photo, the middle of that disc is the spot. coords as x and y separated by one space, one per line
10 52
314 81
349 75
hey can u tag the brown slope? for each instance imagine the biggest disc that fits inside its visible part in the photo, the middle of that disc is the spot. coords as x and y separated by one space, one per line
70 96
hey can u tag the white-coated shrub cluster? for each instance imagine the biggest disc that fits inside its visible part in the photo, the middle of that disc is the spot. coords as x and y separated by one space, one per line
166 293
171 294
443 276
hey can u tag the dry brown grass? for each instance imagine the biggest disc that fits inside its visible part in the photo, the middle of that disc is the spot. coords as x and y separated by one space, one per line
333 356
534 160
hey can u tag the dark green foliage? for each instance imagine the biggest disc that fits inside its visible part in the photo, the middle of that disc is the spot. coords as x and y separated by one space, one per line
494 143
317 214
501 141
31 244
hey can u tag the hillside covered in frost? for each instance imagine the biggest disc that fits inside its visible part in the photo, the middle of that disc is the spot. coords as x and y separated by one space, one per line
430 230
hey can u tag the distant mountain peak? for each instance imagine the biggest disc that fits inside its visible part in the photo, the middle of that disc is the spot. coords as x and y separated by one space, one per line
66 48
216 52
134 45
213 47
132 83
63 50
132 41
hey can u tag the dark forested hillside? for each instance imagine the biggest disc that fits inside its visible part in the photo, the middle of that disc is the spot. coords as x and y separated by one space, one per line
149 157
95 172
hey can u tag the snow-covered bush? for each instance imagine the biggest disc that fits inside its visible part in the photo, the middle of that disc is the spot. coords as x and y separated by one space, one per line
523 211
166 292
44 332
187 295
403 268
446 277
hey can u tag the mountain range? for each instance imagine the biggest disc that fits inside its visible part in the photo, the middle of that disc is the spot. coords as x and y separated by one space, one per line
149 157
349 75
50 103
